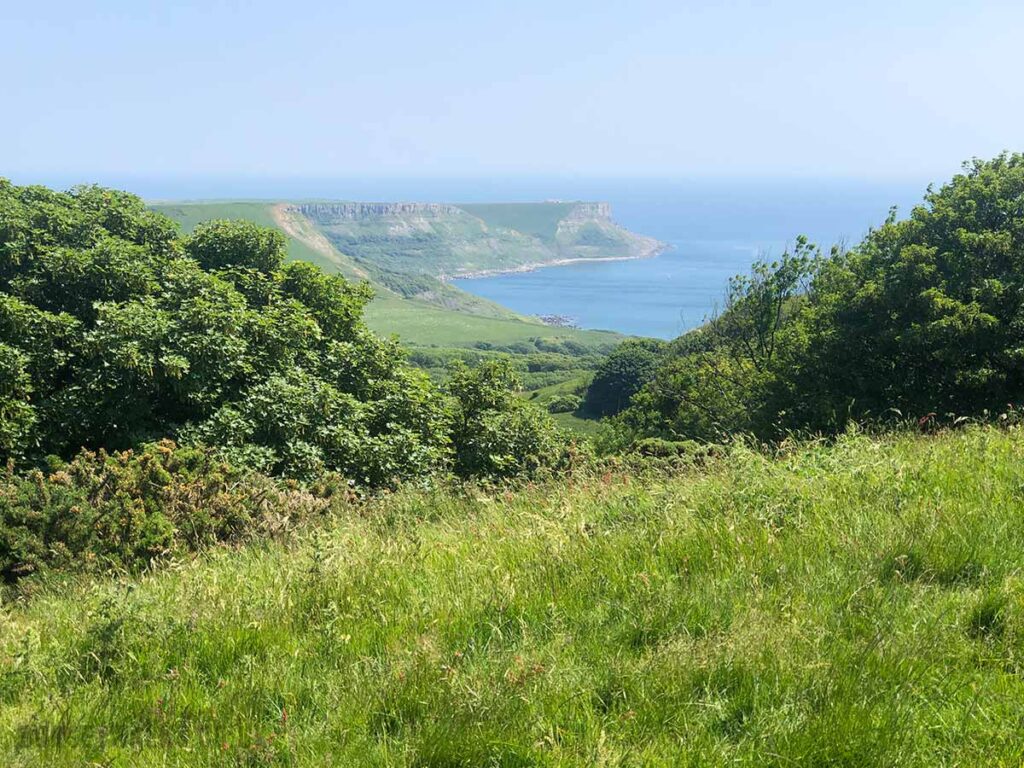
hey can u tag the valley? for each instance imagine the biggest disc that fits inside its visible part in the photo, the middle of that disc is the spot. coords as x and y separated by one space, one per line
408 252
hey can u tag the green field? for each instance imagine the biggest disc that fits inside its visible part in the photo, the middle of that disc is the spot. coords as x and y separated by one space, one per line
575 384
538 220
421 324
189 215
854 605
576 425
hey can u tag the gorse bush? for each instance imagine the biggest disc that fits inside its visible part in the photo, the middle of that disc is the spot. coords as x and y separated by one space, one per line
125 509
115 330
923 319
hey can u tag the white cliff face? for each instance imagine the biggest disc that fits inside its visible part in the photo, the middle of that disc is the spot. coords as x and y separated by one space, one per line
356 211
590 212
328 212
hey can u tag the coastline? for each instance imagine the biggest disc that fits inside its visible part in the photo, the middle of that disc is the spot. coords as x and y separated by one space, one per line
657 251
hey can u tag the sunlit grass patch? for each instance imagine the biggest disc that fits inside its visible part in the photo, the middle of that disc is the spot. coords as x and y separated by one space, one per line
852 604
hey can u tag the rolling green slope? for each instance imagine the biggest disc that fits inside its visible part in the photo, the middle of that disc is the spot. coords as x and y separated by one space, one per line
538 220
422 324
301 245
859 604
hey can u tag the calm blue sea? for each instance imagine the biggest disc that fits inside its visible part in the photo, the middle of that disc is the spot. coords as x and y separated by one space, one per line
716 227
716 230
662 296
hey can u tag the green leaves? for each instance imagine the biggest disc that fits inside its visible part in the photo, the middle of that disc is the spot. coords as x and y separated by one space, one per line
222 244
496 434
621 375
923 317
17 416
123 332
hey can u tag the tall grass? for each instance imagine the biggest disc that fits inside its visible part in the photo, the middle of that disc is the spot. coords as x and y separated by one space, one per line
851 605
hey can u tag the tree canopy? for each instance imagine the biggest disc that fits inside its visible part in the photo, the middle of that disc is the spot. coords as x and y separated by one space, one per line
116 330
924 319
621 375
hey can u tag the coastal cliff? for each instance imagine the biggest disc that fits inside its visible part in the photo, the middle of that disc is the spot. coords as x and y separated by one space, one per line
412 250
325 212
444 240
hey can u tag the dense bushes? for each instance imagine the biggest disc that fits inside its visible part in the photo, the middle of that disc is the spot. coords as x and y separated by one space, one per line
115 331
123 510
621 375
566 403
496 433
923 319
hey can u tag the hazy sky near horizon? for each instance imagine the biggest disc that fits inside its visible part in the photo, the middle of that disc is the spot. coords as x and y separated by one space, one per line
402 88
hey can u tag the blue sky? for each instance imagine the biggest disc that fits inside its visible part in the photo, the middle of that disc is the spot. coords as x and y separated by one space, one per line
432 89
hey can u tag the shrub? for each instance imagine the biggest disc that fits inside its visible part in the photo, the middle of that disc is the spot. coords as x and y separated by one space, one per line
124 332
564 403
125 509
621 375
921 320
17 416
220 244
495 433
656 447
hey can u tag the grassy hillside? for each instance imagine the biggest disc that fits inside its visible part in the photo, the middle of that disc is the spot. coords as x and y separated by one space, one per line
188 215
854 605
421 324
537 220
447 240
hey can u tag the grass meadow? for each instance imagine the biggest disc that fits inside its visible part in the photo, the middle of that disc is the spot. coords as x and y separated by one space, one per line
190 215
859 604
421 324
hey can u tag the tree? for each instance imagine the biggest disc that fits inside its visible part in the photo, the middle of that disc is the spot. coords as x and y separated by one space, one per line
621 375
924 317
495 433
115 330
721 378
17 416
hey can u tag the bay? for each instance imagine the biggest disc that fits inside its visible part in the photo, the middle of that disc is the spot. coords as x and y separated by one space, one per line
715 230
716 226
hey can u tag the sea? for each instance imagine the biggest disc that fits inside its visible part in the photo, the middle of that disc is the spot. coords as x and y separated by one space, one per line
715 228
713 231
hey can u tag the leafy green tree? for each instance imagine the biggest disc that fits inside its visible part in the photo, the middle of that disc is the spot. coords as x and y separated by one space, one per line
17 416
927 314
621 375
924 317
241 244
115 330
495 433
566 403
